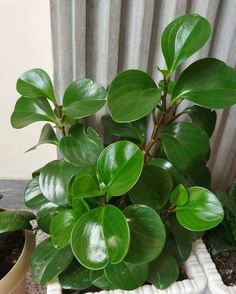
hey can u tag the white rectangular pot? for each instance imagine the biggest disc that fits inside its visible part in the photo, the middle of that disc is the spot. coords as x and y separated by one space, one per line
196 283
215 284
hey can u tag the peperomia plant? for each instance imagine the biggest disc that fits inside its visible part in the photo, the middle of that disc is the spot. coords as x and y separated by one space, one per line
127 213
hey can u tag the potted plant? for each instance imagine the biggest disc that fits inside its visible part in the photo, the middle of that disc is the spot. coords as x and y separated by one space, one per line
218 255
16 247
125 214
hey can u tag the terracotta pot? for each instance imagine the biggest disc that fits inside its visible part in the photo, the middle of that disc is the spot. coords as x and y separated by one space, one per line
14 280
195 284
215 284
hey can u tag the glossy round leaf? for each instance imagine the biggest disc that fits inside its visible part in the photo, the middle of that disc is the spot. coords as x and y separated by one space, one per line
54 181
126 276
203 210
207 82
48 262
183 37
147 233
101 236
119 167
153 187
179 249
75 277
28 111
163 271
61 227
33 195
99 280
11 221
186 145
35 83
135 91
45 214
179 195
83 98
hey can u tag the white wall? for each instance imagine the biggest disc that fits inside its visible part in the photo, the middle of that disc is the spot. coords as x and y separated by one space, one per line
25 43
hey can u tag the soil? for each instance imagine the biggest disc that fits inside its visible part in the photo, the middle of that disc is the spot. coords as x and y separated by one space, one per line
10 250
225 262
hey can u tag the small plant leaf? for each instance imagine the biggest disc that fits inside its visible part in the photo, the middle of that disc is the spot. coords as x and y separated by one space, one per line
99 280
203 210
35 83
126 276
183 37
147 233
135 91
11 221
28 111
179 195
119 167
100 236
153 187
83 98
48 262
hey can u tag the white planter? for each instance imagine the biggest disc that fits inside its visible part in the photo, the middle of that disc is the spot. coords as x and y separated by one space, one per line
215 284
196 283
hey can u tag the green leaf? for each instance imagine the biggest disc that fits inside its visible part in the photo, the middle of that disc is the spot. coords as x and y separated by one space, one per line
126 276
28 111
45 214
207 82
48 262
12 221
183 37
83 98
80 205
75 277
54 181
200 176
153 187
203 117
147 233
134 130
132 95
186 145
79 148
179 195
99 280
119 167
163 271
100 236
86 184
33 195
35 83
203 210
47 136
178 249
177 176
61 227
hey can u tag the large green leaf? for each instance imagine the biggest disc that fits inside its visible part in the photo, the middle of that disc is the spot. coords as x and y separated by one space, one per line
35 83
163 271
205 118
83 98
28 111
134 130
48 262
86 184
179 249
183 37
132 95
153 187
177 176
99 280
101 236
11 221
54 181
147 233
45 214
80 148
126 276
203 210
33 195
75 277
207 82
61 227
47 136
186 145
119 167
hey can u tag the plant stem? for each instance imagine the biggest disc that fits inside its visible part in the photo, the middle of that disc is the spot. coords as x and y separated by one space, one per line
61 117
104 201
176 116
